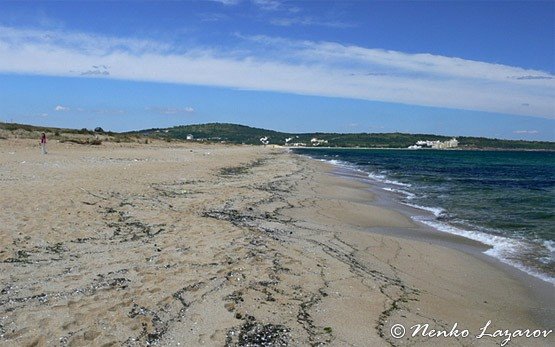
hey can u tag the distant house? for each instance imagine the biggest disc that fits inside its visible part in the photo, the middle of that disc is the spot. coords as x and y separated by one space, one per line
316 142
446 144
190 137
453 143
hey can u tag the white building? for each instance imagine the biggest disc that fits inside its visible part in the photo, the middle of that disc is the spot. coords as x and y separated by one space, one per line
190 137
316 142
453 143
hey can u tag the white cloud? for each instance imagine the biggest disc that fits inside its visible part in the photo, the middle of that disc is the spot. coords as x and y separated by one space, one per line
61 108
212 17
531 132
308 21
227 2
268 5
275 64
99 70
108 111
171 110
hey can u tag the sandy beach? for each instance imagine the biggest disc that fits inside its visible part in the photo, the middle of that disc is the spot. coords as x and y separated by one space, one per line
187 244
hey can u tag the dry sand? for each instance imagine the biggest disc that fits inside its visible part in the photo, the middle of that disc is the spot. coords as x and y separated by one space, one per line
193 244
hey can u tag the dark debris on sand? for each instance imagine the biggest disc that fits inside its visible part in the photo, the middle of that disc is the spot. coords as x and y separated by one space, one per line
253 333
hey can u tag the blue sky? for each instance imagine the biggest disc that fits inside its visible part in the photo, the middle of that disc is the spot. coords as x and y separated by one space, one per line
454 68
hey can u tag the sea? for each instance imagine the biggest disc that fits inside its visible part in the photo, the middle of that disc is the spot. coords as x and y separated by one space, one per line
504 199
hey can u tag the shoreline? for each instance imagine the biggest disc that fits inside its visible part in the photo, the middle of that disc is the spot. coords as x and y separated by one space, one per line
540 289
134 244
461 256
470 149
400 198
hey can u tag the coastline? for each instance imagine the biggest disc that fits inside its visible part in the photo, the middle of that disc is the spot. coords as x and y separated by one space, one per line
226 245
411 196
540 289
470 149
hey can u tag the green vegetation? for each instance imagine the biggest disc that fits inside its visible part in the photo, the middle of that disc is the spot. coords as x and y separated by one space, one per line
93 142
79 136
216 132
34 128
240 134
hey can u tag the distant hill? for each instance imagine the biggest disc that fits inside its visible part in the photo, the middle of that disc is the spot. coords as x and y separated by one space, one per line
232 133
240 134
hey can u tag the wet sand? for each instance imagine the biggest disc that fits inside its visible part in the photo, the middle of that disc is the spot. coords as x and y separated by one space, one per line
188 244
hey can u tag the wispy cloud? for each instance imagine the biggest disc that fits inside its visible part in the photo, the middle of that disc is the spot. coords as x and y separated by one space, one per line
98 70
531 77
529 132
277 13
276 64
60 108
171 110
212 17
227 2
268 5
308 21
87 43
109 111
102 111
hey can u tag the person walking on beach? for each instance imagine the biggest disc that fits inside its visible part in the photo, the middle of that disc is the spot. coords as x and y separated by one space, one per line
43 143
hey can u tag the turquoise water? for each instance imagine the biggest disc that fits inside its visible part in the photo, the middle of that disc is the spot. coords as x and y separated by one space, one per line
503 199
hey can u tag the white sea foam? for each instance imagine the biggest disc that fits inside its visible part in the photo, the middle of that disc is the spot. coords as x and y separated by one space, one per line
376 176
336 162
437 211
502 248
343 164
407 194
550 245
550 257
384 179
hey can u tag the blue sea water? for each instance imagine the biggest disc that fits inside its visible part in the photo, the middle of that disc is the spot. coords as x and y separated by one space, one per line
505 199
